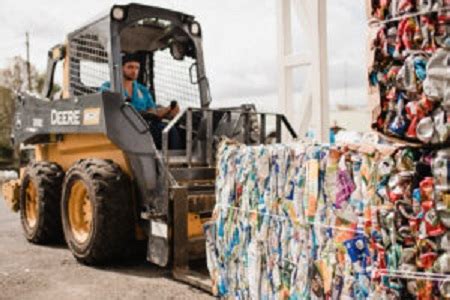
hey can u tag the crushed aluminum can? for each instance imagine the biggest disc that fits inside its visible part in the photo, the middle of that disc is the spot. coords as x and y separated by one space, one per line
426 189
416 206
411 131
437 75
416 196
412 71
398 126
345 187
391 110
420 64
433 224
425 130
338 283
386 166
406 177
391 36
414 114
441 127
425 290
406 236
444 242
443 132
428 5
395 190
357 249
411 287
442 264
398 185
385 237
382 192
444 289
441 169
416 111
405 160
427 254
408 256
444 217
386 217
404 6
442 198
405 208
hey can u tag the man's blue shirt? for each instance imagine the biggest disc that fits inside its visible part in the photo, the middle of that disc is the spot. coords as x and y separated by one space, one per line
141 99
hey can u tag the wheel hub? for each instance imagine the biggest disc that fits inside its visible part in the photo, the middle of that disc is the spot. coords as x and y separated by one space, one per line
31 205
80 212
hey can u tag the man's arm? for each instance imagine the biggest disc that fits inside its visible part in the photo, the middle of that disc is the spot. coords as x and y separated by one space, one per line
106 86
165 112
160 112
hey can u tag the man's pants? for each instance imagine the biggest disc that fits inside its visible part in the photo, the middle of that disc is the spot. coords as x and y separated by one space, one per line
156 129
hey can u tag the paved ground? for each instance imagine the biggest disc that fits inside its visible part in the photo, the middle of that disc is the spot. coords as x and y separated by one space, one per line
36 272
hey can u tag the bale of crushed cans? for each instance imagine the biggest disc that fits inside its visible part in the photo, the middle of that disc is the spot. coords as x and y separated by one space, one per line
303 221
409 81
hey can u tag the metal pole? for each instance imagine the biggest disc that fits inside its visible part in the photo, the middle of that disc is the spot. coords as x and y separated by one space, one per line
27 43
189 137
320 95
314 99
285 84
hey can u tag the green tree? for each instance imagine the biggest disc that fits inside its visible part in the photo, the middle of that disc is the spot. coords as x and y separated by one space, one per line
15 76
13 79
6 112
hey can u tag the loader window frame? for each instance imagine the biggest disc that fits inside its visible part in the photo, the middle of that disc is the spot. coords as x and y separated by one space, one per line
89 58
86 79
166 55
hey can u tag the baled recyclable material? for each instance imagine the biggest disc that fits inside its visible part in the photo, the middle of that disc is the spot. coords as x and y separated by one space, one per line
305 221
408 81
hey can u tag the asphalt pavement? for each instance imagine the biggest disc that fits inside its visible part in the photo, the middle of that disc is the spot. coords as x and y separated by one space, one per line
29 271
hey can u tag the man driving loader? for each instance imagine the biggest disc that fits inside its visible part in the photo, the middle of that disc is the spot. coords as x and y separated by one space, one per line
141 99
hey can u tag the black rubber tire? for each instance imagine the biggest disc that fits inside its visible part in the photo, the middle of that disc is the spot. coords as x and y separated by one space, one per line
47 178
112 214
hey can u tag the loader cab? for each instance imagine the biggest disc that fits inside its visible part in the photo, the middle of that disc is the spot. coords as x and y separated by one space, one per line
167 43
169 47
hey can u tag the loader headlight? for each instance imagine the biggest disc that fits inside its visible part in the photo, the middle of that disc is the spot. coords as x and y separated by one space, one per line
58 53
195 28
118 13
178 50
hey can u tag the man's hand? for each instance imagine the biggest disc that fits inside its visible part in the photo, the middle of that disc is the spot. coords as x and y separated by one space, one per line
173 111
166 112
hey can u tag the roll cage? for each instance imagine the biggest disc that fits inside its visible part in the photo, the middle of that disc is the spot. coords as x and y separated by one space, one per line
159 37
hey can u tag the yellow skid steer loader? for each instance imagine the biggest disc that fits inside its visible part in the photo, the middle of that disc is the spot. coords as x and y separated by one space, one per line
97 177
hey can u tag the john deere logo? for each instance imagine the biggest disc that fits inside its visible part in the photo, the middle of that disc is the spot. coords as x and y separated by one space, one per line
91 116
65 117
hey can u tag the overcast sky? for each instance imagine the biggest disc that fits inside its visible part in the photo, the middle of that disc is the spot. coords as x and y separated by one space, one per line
239 40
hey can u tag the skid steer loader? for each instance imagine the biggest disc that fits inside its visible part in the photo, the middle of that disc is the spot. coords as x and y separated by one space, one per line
97 177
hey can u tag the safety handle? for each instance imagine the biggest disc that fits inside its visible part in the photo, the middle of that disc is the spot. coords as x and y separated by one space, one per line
132 121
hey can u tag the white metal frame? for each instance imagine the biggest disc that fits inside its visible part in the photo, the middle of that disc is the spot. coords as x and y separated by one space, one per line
314 108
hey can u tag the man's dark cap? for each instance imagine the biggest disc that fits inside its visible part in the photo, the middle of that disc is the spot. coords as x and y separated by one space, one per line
127 57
